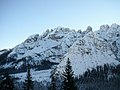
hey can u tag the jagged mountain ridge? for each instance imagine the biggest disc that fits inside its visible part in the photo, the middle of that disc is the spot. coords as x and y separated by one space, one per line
47 48
85 49
94 49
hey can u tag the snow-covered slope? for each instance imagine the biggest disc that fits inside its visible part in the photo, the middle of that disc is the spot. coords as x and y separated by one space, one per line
43 75
85 50
91 51
47 48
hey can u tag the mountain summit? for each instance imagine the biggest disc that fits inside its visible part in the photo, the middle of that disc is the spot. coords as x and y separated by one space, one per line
86 50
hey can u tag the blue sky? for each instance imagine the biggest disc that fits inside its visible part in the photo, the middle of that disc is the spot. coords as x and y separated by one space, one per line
21 18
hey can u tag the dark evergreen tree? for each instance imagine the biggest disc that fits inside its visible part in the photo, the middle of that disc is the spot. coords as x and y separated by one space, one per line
53 77
68 77
53 83
28 84
116 71
7 82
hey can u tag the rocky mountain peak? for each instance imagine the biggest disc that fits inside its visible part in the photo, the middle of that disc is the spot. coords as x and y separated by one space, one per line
115 26
89 28
86 50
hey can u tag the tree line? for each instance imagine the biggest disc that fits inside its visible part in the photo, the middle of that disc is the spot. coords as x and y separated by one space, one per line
67 78
106 77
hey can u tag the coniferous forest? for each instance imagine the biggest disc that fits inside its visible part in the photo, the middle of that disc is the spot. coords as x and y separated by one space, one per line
105 77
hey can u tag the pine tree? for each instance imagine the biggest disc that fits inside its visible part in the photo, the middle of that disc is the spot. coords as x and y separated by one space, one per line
53 80
53 83
7 83
28 84
68 77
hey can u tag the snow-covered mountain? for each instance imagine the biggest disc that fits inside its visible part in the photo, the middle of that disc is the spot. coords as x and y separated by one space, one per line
85 50
94 49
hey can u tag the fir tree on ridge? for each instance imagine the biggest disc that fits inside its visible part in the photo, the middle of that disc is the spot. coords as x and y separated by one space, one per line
28 84
53 83
53 80
68 77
